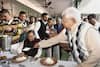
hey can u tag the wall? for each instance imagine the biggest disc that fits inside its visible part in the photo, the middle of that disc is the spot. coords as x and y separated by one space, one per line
15 7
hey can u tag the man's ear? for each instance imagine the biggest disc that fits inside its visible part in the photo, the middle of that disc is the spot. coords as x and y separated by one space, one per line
93 20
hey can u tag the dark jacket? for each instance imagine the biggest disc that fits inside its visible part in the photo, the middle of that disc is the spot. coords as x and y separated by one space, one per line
30 44
42 31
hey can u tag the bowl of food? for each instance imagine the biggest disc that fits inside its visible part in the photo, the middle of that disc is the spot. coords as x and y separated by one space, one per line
48 61
20 58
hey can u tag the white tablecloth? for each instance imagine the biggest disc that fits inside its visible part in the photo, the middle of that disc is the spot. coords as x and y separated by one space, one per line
37 64
28 63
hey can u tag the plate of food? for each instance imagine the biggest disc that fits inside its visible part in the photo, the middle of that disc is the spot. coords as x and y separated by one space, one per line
48 61
20 58
3 58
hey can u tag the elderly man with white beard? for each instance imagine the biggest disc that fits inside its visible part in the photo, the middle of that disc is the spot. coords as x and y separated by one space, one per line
83 38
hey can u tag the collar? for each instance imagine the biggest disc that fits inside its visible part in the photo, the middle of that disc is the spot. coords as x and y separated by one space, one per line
73 30
45 22
22 21
10 21
74 27
32 23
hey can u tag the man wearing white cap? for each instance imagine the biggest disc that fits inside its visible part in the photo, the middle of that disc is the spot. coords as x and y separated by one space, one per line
83 38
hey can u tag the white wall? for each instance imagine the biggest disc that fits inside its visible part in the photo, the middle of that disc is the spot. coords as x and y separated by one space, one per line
90 6
15 7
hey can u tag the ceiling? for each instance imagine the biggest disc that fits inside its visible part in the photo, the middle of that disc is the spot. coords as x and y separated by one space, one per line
56 7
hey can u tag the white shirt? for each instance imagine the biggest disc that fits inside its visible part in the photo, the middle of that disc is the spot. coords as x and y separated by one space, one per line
8 22
31 26
48 29
92 41
97 25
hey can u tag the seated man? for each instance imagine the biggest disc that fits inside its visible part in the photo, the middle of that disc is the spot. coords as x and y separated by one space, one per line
27 46
29 42
92 20
32 23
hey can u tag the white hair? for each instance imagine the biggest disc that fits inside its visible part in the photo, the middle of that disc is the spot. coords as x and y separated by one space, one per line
72 12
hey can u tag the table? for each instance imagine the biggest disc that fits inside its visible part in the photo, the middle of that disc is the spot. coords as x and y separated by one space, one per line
37 64
28 63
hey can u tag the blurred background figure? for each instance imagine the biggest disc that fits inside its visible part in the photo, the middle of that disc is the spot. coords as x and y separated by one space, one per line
23 18
58 26
51 31
50 25
40 28
1 18
32 23
92 19
7 18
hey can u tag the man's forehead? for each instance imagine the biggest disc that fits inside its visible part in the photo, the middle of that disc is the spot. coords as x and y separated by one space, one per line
46 16
22 15
5 13
68 17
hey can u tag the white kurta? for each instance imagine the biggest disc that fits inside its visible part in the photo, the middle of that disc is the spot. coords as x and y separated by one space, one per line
92 41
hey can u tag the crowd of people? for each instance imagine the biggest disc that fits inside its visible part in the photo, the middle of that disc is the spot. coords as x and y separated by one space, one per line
82 36
41 27
21 28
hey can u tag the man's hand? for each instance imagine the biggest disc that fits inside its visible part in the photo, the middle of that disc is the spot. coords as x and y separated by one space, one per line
8 28
36 45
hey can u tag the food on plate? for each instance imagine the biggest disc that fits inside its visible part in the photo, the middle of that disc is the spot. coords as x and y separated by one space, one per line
49 61
21 58
3 57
